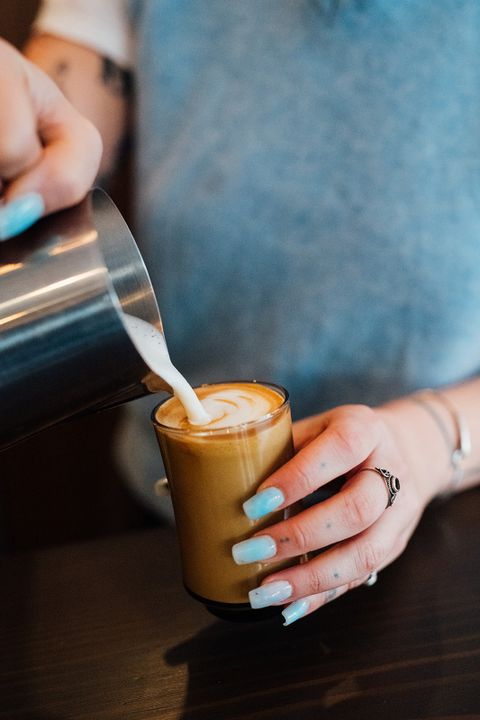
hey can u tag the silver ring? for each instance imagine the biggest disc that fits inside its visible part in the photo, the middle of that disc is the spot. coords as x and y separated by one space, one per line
392 483
371 579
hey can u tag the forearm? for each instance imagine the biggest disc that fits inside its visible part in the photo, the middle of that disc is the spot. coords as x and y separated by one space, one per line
96 87
429 435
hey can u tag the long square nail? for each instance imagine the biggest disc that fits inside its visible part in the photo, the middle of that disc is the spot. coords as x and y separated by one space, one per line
254 550
264 502
295 611
19 214
270 594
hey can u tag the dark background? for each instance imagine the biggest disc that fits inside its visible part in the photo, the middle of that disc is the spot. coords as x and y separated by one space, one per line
63 485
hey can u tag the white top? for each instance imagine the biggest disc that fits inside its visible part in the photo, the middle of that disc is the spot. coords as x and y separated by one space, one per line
103 26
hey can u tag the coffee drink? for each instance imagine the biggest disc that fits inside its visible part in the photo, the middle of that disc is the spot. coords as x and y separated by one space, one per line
212 469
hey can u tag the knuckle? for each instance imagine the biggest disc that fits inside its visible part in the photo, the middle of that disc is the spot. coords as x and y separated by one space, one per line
16 153
94 138
354 430
72 188
316 582
363 413
346 436
359 509
356 583
73 179
69 185
300 476
300 536
370 554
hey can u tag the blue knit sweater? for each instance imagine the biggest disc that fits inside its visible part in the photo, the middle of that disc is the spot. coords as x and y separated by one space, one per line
309 191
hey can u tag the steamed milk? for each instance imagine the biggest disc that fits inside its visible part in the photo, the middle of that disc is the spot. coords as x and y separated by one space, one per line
218 406
151 346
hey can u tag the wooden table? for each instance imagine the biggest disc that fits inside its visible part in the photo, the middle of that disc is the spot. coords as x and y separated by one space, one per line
104 630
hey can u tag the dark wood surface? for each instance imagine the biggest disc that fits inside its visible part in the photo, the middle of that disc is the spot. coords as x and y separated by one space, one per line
64 485
103 630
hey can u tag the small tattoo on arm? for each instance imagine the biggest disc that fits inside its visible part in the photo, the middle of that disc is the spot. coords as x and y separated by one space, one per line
115 78
61 67
59 73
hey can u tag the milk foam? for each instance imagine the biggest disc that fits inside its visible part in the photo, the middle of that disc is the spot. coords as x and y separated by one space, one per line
150 344
228 404
236 405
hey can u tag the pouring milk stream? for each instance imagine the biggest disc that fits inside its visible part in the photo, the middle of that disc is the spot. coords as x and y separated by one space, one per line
223 408
150 344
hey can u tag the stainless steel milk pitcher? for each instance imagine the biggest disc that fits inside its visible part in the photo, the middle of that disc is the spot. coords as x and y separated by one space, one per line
63 346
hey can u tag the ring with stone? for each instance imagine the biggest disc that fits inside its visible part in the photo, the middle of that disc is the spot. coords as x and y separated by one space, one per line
392 483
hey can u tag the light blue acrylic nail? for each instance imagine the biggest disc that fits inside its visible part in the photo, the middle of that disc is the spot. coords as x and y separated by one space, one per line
270 594
295 611
264 502
19 214
254 549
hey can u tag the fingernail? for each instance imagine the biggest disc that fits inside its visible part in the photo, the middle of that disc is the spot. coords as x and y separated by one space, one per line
269 594
254 549
295 611
263 502
19 214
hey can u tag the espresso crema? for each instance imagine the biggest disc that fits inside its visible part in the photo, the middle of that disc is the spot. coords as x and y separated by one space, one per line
228 405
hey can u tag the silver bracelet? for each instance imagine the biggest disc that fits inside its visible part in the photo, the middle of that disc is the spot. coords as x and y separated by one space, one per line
463 446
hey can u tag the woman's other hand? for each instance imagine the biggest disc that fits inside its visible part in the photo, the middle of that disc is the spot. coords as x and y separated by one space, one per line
49 153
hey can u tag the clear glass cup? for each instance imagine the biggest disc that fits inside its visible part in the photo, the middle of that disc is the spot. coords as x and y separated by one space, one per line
210 474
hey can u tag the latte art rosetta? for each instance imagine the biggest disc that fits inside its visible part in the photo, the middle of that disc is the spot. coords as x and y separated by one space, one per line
228 405
235 406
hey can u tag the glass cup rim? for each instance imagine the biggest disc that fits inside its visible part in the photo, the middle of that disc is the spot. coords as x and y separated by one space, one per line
202 431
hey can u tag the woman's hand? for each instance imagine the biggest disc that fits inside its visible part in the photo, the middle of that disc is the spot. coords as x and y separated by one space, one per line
358 533
49 153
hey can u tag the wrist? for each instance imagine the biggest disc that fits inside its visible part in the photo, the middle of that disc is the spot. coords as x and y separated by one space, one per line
432 401
426 450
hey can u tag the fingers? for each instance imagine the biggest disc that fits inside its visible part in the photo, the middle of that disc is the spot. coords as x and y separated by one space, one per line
341 568
349 436
72 148
305 606
345 564
49 153
358 505
20 146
